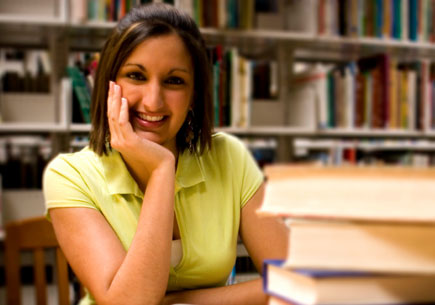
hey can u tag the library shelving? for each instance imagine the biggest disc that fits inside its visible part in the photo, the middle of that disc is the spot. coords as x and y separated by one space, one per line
59 33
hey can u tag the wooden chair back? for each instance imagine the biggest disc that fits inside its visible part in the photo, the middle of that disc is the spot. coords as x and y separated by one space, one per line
34 234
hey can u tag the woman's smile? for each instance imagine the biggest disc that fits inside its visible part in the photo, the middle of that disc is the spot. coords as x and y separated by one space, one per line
148 121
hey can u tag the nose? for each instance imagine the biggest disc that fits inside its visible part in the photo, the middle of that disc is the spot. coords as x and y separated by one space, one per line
152 97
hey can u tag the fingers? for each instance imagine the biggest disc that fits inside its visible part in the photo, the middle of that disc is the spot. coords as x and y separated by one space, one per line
123 113
118 117
113 112
114 101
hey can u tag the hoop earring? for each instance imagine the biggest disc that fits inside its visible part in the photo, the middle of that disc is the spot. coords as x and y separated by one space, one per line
190 131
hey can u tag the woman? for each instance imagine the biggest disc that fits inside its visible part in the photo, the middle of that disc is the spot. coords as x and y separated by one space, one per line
125 234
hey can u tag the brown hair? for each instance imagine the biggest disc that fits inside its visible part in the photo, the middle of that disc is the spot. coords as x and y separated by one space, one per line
139 24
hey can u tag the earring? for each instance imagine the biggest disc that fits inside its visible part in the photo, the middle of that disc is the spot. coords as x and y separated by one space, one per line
190 132
107 140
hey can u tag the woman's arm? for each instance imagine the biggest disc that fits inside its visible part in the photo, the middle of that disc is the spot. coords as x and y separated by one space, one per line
112 275
263 238
247 293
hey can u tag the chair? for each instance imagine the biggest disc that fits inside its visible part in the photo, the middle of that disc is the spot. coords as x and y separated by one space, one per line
35 234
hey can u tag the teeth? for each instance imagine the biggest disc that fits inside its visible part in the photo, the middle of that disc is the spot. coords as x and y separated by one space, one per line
150 118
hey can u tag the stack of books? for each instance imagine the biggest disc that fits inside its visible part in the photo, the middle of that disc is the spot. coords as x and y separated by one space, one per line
358 235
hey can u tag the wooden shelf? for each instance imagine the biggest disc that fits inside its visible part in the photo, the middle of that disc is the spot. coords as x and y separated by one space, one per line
80 127
32 127
306 44
23 20
326 133
393 145
248 131
319 44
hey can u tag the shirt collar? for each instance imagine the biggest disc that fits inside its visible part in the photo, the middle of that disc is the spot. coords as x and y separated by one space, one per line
119 180
189 173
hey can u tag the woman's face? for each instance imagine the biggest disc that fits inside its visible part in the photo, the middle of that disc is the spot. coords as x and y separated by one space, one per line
157 81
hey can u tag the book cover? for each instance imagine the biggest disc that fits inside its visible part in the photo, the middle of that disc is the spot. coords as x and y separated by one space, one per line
302 16
317 287
307 98
397 19
384 247
81 92
359 193
413 19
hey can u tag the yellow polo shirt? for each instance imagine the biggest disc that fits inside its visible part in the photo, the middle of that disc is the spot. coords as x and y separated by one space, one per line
210 191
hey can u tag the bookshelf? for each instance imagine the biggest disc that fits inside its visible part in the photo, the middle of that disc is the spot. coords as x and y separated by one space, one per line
53 27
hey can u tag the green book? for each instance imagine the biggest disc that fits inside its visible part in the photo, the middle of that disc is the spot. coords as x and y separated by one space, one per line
81 91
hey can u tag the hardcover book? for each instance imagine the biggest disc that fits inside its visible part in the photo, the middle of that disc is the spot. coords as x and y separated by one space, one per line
362 246
318 287
393 194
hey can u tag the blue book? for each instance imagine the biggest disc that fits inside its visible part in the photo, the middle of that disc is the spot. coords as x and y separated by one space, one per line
379 18
322 287
413 20
397 19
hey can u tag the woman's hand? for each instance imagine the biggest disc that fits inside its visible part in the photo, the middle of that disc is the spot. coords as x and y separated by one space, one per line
141 155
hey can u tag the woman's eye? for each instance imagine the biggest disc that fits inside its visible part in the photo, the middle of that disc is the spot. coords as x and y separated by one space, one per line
175 81
135 76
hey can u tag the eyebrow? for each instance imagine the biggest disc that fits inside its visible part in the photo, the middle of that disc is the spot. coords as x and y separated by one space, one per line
141 67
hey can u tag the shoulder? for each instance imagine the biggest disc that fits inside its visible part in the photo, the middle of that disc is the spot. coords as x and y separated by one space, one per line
78 161
228 151
223 142
84 166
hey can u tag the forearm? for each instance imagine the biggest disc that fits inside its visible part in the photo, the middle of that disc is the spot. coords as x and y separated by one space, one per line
144 272
249 293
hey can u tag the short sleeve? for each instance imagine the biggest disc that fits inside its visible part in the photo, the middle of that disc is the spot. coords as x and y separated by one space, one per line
63 186
245 169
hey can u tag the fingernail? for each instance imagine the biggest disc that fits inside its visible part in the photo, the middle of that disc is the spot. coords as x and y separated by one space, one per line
117 89
111 85
124 100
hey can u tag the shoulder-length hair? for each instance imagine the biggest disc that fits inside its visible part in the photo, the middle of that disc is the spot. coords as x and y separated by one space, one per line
139 24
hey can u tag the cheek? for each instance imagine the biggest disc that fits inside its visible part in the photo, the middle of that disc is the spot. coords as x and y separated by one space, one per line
178 99
131 93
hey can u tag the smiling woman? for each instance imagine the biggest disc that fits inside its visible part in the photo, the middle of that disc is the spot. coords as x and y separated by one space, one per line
151 211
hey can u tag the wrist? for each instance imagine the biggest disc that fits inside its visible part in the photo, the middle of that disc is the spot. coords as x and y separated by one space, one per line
166 166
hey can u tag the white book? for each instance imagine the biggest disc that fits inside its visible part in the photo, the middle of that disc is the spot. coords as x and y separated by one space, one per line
307 98
65 105
245 85
185 6
405 20
331 18
349 97
222 14
302 16
78 11
425 94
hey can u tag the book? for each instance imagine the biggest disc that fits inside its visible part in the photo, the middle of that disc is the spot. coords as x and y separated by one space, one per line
350 193
302 16
81 92
307 98
277 301
361 246
317 287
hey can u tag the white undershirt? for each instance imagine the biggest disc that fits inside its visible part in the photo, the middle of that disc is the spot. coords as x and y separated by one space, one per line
176 252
